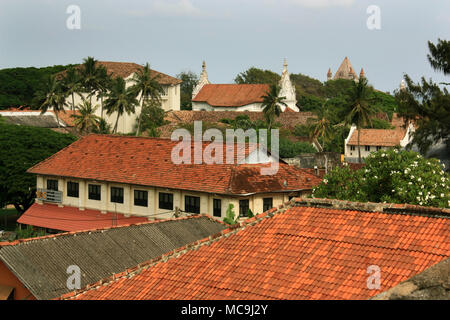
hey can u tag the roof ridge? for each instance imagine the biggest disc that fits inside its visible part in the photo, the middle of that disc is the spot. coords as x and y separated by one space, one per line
78 232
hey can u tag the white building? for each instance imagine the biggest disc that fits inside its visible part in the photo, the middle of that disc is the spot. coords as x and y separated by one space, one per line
372 140
239 97
126 70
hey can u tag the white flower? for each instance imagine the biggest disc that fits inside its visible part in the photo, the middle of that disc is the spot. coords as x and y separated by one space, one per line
419 179
420 193
412 177
410 183
422 186
442 195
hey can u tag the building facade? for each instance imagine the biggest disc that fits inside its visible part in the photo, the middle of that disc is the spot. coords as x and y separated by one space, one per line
240 97
170 100
136 177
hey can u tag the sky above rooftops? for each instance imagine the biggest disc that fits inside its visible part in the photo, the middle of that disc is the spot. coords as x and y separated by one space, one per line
232 35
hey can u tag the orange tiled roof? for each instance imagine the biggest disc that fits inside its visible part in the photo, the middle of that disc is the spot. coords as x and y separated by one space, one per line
304 252
231 95
147 161
125 69
72 219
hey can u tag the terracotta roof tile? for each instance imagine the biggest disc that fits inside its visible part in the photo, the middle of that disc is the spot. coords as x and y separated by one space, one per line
148 161
300 253
72 219
125 69
231 95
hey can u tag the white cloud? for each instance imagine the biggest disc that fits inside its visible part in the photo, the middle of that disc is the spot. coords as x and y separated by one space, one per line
322 3
177 8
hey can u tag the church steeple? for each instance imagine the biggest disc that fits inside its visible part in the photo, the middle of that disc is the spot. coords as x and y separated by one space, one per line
287 90
202 81
329 74
362 74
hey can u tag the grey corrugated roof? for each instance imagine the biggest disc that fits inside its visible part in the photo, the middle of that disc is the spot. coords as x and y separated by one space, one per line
42 121
41 265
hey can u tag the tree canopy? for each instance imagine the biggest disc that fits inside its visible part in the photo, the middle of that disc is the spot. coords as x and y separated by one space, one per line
23 147
391 176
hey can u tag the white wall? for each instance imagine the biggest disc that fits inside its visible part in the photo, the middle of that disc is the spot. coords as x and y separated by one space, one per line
152 211
127 122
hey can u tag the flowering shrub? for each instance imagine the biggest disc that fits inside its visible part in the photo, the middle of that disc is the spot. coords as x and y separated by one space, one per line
391 176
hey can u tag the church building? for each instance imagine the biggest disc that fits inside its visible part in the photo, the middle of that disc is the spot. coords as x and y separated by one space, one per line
240 97
345 71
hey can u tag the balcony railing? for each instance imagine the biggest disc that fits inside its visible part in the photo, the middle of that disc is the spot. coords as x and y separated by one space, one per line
49 195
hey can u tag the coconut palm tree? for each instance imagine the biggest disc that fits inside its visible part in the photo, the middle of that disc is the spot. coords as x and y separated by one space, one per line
360 110
120 100
53 97
103 85
89 73
148 88
321 125
86 120
72 84
271 105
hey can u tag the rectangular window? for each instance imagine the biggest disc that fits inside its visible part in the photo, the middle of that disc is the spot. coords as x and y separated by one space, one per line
166 201
72 189
352 148
52 185
367 148
165 91
116 195
243 208
267 204
192 204
141 198
94 192
378 148
217 208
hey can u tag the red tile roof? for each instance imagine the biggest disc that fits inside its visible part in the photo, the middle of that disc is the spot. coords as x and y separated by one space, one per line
378 137
147 161
72 219
231 95
125 69
304 252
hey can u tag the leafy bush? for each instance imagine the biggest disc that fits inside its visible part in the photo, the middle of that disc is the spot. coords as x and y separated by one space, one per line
391 176
289 149
230 217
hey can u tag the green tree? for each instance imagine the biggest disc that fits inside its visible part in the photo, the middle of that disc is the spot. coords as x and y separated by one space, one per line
103 127
148 88
321 126
257 76
23 147
391 176
190 80
152 116
230 217
104 81
91 76
427 104
53 97
72 84
86 120
360 110
271 105
289 149
120 100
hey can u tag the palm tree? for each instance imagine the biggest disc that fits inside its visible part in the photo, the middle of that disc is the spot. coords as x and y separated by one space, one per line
360 109
321 126
271 105
89 73
149 89
53 97
86 120
103 85
120 100
72 84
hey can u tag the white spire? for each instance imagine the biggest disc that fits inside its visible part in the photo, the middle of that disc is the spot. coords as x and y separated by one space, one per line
403 85
287 89
202 81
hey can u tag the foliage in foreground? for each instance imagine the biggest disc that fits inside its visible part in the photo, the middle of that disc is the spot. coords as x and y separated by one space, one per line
23 147
390 176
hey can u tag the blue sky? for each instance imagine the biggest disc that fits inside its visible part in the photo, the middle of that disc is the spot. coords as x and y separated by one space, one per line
232 35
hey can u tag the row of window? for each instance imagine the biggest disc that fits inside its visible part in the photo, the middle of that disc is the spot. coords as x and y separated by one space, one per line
367 148
191 203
